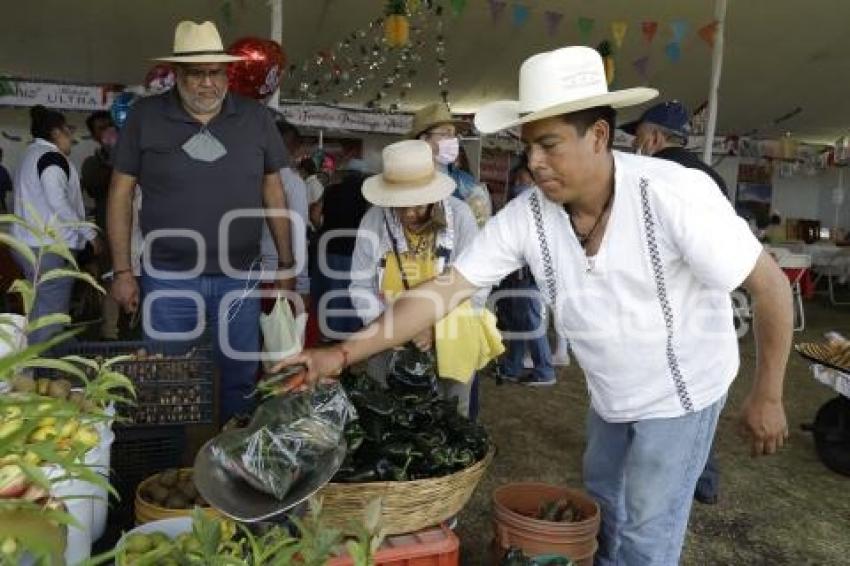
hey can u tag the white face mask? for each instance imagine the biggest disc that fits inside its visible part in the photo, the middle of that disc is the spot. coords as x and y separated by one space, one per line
447 151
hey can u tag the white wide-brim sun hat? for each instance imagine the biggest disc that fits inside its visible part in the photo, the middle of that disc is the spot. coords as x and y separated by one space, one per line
558 82
409 177
198 43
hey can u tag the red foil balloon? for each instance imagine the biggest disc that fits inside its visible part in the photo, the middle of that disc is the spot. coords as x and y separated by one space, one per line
159 79
258 74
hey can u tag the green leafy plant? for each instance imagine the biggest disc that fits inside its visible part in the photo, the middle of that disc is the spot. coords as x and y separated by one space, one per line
44 438
369 536
217 542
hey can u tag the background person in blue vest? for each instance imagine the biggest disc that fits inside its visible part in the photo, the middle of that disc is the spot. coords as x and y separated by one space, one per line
200 153
662 131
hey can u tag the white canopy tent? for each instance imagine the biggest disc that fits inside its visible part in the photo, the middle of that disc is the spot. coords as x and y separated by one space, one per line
778 57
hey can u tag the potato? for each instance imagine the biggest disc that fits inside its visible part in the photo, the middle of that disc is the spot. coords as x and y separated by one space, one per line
187 488
158 493
59 389
23 384
169 478
41 385
176 501
77 398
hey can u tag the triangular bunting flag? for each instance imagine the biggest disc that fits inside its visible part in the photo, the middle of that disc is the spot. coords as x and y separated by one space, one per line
641 65
585 28
553 20
708 32
458 6
680 28
618 30
649 29
673 51
521 14
497 8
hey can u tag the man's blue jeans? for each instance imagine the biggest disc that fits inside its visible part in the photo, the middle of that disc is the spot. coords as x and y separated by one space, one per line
524 314
337 282
52 297
197 301
643 475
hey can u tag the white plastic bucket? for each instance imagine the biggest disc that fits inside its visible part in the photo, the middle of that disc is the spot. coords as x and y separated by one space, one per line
78 497
86 502
100 461
12 328
169 527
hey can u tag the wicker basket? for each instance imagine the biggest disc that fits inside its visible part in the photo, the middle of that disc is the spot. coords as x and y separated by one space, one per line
147 512
407 506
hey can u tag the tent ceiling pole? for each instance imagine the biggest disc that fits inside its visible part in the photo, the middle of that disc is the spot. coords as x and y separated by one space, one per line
276 35
716 66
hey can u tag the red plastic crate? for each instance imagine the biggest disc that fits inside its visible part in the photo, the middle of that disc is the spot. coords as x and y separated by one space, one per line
437 546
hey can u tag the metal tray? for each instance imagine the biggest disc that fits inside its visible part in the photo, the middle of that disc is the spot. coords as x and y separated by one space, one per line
241 502
824 363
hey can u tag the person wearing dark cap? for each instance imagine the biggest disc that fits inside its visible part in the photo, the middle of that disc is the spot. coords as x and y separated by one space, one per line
47 189
662 132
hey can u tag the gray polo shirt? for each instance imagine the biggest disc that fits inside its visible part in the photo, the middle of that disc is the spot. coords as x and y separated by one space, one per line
179 192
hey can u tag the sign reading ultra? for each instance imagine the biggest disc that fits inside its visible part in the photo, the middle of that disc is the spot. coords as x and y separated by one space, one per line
15 92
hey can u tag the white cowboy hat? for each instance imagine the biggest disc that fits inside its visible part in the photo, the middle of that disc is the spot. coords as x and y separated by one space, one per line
554 83
409 177
198 43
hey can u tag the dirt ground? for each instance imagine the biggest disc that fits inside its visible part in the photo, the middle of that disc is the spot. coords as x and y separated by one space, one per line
786 509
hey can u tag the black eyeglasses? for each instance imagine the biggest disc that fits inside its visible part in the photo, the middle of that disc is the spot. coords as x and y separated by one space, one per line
199 75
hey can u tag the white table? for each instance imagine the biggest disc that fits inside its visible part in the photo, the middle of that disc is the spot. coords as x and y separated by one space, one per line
828 260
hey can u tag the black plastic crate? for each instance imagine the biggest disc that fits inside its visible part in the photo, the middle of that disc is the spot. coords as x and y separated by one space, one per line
173 381
138 453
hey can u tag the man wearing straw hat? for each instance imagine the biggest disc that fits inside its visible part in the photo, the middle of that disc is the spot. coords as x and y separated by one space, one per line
639 274
208 165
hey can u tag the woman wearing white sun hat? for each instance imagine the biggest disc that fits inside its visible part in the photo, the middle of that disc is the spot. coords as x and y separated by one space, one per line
638 273
414 232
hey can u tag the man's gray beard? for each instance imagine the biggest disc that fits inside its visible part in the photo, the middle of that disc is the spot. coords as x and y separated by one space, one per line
196 108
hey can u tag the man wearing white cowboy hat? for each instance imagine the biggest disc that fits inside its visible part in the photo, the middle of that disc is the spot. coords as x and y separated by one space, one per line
415 231
639 274
202 156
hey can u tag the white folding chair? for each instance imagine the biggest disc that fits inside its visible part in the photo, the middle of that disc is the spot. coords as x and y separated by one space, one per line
800 262
838 268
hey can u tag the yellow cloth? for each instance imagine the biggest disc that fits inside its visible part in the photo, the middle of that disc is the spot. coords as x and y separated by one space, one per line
467 338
